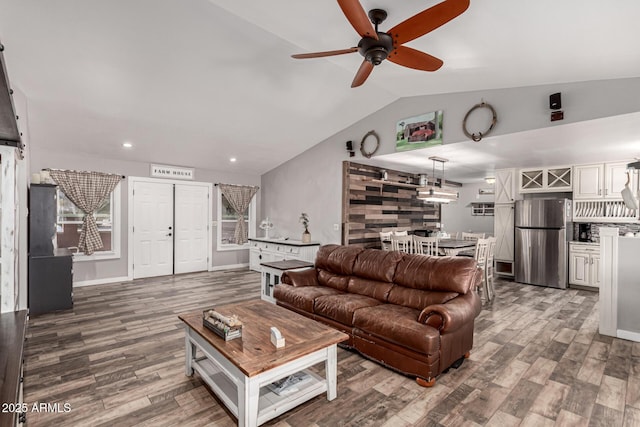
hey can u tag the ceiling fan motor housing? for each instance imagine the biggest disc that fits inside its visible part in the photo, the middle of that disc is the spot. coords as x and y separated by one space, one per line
376 51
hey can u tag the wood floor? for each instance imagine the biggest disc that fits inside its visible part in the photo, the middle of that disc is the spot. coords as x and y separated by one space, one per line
117 359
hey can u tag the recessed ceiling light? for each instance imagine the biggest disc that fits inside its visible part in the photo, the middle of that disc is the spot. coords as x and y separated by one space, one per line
127 144
233 159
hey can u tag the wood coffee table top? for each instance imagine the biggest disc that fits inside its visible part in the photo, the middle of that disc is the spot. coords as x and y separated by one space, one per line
254 353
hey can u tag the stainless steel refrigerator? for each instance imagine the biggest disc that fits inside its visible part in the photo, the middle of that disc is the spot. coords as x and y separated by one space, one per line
543 229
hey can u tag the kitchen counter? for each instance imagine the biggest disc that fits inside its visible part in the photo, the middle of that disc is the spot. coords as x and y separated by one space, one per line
575 242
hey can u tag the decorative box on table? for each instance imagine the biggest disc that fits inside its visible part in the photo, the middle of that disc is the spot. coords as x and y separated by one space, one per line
227 327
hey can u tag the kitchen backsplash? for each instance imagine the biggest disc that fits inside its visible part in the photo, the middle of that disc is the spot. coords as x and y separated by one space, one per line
595 229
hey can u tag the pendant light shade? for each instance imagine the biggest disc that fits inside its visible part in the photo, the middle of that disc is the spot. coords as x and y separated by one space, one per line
437 194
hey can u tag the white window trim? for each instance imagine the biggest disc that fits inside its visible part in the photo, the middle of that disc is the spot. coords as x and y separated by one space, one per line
252 225
114 253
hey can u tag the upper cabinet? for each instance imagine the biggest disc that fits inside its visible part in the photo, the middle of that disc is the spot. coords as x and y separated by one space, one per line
545 180
602 181
505 186
597 193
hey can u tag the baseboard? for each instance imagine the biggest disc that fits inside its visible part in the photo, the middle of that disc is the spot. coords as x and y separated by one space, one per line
229 267
100 281
628 335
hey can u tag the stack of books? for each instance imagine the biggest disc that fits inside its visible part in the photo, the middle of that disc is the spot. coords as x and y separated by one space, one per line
227 327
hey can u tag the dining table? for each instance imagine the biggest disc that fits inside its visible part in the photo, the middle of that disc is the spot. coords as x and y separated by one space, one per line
455 246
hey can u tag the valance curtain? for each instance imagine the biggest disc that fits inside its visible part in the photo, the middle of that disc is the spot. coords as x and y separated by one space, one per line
88 191
239 197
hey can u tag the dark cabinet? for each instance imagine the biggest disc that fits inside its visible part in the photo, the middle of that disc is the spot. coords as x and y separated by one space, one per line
50 282
43 210
50 269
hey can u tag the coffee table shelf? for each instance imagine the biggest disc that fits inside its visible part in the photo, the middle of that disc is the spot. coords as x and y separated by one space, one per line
270 404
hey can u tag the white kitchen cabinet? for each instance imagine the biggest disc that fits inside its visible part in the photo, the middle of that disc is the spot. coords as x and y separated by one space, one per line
503 229
615 177
584 264
587 183
602 181
506 190
546 180
270 250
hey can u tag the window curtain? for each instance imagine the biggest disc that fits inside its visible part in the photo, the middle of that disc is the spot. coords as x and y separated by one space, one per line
88 191
239 197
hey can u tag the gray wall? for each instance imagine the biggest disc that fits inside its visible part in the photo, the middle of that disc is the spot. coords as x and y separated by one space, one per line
312 181
456 216
117 268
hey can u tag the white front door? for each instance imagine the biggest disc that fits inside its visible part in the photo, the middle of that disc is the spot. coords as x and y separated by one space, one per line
191 231
152 229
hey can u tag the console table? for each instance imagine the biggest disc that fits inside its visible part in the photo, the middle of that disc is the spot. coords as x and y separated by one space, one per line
12 334
269 250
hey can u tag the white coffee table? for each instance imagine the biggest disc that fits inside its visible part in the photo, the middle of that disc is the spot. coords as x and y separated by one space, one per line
239 370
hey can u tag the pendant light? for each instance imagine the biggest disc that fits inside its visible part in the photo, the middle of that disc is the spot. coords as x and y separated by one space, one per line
433 193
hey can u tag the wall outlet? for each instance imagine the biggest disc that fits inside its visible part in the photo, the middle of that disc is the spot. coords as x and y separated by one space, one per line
336 227
214 223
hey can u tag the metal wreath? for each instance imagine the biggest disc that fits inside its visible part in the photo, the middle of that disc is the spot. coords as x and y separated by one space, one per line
366 153
477 137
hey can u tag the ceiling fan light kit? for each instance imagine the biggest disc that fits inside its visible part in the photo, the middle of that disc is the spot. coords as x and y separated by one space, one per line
376 46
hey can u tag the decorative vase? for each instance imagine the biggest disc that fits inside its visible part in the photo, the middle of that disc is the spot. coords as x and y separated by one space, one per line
306 236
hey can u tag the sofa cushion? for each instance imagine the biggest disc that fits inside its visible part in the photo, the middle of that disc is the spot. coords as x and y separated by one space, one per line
336 281
377 265
445 274
398 325
337 259
301 297
417 298
370 288
341 307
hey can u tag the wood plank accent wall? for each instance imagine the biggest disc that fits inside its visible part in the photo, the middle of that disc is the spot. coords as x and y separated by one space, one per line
370 205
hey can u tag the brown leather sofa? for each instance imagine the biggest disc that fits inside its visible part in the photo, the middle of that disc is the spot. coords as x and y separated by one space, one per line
412 313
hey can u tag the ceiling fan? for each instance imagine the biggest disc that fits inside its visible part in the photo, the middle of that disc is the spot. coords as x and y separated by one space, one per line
376 46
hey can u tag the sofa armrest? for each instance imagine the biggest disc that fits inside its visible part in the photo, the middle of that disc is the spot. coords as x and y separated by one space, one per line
450 316
307 277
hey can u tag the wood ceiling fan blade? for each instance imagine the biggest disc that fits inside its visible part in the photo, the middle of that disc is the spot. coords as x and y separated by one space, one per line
358 18
427 20
363 72
322 54
408 57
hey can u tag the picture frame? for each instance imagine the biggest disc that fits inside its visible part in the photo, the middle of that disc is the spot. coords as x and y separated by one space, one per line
422 131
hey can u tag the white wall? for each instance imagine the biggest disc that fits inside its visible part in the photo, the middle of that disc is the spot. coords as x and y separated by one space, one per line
105 270
456 216
312 181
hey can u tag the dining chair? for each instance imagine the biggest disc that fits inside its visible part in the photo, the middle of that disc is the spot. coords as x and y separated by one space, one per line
385 240
482 249
402 243
489 267
472 236
425 245
400 233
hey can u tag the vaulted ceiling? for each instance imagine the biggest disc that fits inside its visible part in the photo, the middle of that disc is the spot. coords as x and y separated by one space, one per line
196 82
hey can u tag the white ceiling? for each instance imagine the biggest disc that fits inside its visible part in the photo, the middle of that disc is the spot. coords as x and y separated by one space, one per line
195 82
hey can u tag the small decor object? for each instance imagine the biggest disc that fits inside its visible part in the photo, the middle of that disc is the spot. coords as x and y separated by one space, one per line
420 131
276 337
266 225
227 327
478 136
306 236
371 135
